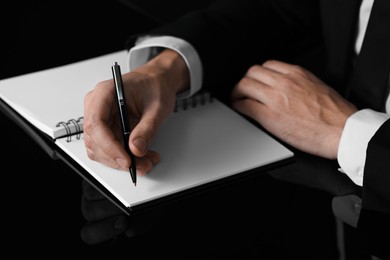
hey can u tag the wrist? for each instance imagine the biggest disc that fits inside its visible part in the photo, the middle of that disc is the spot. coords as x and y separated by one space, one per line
170 70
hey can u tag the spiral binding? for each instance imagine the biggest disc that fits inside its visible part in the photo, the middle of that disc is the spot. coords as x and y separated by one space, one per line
191 102
69 134
183 104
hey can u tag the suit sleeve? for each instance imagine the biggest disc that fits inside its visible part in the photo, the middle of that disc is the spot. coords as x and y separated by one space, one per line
376 181
231 35
374 224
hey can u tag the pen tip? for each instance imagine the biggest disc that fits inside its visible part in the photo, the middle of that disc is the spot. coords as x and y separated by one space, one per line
133 174
115 63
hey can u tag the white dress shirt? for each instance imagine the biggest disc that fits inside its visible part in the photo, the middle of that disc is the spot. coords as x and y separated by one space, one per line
359 128
362 125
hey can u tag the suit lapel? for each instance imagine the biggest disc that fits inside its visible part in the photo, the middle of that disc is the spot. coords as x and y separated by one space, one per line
339 27
368 87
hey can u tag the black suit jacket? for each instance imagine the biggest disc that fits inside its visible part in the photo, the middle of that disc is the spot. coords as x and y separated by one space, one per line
319 35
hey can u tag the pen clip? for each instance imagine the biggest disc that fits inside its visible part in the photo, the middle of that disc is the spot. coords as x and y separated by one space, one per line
116 73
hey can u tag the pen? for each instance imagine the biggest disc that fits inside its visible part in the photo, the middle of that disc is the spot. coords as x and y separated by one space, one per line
116 73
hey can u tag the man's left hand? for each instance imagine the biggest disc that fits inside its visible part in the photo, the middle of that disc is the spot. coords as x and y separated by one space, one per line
295 106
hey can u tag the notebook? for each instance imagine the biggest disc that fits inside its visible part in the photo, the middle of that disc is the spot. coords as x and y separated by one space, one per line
203 143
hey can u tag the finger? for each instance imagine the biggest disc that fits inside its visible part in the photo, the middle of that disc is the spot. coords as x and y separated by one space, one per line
98 102
282 67
143 133
263 74
100 156
97 232
145 163
153 156
251 108
251 88
107 149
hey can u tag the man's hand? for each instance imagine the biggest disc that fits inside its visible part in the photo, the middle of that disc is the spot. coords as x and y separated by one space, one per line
150 93
295 106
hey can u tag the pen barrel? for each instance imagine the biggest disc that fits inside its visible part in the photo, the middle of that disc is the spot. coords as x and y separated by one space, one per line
120 94
116 73
126 138
124 118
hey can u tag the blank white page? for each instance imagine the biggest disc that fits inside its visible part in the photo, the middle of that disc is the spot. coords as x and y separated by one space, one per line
49 96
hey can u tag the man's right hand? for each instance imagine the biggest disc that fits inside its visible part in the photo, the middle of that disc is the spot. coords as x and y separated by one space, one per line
150 93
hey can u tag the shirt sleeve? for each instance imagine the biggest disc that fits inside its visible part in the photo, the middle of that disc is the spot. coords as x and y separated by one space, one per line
358 131
146 48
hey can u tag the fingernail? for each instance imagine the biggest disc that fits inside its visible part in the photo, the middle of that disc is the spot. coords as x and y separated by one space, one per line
122 163
141 144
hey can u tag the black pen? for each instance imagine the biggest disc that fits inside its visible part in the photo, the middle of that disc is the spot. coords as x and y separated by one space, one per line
116 73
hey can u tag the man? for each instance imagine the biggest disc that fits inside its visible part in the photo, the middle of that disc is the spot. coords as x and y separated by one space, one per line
249 51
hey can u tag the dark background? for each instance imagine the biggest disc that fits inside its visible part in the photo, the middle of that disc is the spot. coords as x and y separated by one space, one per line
41 196
42 34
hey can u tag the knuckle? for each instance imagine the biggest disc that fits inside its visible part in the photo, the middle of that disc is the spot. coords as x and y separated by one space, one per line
107 151
270 62
245 81
112 164
90 154
286 82
103 84
253 69
298 70
150 125
87 141
89 124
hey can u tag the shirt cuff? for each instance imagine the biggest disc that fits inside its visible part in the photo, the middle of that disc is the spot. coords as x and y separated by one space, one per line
146 47
358 131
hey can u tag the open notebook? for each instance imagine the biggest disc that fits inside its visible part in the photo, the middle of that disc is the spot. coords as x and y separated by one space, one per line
203 142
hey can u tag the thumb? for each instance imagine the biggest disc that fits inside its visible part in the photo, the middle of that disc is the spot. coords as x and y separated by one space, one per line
143 133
